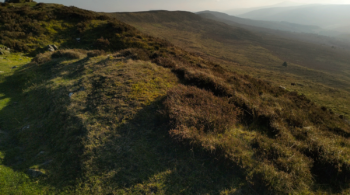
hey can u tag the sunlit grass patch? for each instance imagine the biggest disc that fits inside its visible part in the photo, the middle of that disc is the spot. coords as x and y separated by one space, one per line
13 182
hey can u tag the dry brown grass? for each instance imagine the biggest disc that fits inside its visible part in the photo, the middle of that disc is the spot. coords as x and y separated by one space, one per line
322 72
285 143
196 111
69 54
95 53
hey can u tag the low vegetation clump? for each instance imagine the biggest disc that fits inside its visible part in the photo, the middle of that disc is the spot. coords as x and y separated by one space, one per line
95 53
197 111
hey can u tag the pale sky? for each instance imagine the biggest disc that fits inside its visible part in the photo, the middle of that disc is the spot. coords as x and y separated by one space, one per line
187 5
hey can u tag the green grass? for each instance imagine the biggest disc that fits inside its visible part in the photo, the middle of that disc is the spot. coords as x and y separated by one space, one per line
12 181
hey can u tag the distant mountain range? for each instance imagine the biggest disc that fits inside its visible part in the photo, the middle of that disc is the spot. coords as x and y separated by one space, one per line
239 11
275 25
328 17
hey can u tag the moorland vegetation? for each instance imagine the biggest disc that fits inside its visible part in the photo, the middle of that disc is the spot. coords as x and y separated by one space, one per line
117 111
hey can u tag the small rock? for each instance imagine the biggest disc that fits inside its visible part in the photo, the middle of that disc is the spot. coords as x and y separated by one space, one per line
307 128
70 94
50 48
26 127
34 173
78 39
40 153
281 87
55 47
14 67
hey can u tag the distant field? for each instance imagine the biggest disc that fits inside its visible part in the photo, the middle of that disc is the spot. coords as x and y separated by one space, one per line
320 72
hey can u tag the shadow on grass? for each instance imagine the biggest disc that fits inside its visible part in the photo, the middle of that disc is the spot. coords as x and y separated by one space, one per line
42 133
141 157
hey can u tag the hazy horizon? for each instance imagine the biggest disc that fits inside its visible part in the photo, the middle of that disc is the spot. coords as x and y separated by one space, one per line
194 5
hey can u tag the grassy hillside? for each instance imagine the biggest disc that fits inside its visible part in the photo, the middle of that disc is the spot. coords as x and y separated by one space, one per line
321 72
122 112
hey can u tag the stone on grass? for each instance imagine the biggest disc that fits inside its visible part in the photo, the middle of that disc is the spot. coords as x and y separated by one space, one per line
50 48
25 127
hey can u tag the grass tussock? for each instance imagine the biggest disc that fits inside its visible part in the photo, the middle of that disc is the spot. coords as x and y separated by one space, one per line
196 111
95 53
67 54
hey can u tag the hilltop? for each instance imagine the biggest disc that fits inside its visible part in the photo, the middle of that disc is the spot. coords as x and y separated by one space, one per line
114 110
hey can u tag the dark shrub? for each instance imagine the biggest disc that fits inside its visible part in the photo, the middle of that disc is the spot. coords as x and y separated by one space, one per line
102 43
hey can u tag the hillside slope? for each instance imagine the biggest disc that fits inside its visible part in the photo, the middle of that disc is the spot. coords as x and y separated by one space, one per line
143 116
317 69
